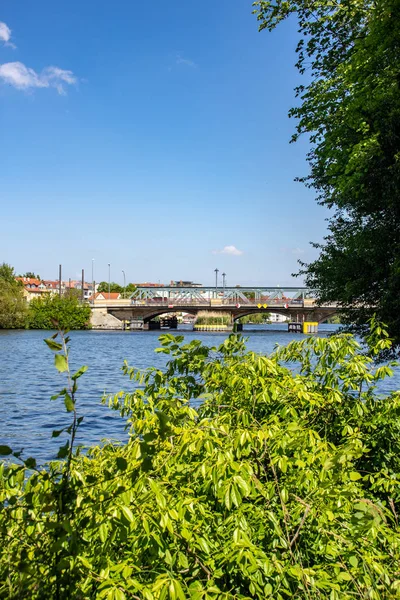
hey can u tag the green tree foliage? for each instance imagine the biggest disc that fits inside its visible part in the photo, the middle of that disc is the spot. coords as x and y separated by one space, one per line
73 293
257 318
7 274
351 111
114 287
31 275
130 288
66 311
12 303
241 479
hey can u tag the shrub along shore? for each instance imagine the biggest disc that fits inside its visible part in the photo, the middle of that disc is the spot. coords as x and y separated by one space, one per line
279 484
67 311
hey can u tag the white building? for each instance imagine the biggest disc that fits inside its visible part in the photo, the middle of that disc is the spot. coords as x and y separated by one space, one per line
277 318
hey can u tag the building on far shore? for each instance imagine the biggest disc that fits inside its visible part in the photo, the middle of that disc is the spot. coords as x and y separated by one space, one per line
53 286
147 284
33 288
277 318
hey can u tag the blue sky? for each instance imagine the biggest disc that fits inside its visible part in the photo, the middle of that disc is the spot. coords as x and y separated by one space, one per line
152 136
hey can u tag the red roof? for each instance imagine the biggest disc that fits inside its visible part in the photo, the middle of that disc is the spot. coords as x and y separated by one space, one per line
51 284
108 296
29 281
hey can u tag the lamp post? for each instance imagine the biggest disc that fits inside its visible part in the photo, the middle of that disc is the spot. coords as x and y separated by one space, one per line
109 280
123 272
216 281
92 280
223 285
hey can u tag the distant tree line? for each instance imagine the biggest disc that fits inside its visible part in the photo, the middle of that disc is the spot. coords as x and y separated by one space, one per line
257 319
13 308
30 275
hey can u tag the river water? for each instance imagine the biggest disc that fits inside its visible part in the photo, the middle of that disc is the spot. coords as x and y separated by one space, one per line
28 379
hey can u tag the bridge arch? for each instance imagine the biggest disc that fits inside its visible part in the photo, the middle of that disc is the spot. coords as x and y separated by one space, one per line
167 311
325 316
318 316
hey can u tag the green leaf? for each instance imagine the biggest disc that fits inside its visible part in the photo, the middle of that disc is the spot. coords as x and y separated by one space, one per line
79 373
69 404
235 495
30 462
268 589
63 450
56 433
175 590
203 545
353 561
126 511
354 476
85 562
62 393
5 450
60 363
122 463
53 345
103 532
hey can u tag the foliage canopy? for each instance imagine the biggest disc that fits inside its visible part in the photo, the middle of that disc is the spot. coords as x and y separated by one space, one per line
351 111
115 287
279 484
67 311
13 308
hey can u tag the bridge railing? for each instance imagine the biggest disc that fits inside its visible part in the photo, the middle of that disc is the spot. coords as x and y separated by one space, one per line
228 302
217 303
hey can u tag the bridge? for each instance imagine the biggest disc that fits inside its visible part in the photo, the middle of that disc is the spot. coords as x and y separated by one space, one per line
146 303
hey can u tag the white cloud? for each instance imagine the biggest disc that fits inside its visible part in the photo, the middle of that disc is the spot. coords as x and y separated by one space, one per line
23 78
180 60
297 251
5 35
230 250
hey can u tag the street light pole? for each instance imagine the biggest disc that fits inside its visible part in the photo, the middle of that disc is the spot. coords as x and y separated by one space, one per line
216 281
109 280
223 285
92 280
123 272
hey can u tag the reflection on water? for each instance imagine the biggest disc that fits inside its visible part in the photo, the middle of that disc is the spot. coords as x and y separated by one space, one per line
28 379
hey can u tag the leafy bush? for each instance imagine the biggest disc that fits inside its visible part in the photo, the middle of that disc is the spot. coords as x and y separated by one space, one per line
67 311
242 478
